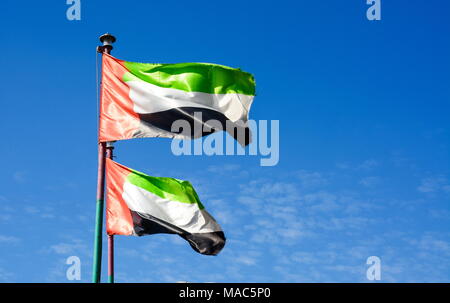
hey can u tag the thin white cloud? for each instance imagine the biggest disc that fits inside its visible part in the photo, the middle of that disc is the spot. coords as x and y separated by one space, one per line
9 239
311 179
370 181
368 164
223 168
6 276
19 176
434 184
73 247
321 201
246 260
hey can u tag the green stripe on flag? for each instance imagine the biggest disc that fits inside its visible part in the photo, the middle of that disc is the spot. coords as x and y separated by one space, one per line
193 77
166 188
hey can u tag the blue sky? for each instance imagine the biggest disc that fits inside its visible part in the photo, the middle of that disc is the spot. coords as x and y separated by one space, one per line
364 139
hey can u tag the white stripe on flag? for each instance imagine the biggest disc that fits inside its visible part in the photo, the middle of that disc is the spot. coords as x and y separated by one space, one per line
149 98
183 215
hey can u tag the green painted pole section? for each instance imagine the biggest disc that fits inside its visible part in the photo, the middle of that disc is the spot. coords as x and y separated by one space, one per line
97 267
97 264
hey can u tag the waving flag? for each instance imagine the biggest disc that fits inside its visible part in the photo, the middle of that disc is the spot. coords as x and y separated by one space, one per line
143 100
139 205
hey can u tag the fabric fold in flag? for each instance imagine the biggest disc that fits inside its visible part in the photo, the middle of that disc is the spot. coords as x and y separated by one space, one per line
138 204
143 100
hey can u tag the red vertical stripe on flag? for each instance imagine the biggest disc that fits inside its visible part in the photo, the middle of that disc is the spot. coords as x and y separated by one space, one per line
118 215
118 120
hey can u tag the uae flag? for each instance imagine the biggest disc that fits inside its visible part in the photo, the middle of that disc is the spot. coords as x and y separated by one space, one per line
139 205
143 100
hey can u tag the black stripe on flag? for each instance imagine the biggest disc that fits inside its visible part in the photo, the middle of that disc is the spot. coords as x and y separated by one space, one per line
164 120
210 243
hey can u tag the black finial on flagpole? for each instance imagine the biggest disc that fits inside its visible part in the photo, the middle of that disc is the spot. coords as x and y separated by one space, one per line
107 40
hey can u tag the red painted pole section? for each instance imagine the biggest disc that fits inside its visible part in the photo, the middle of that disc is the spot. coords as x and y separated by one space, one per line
109 154
101 171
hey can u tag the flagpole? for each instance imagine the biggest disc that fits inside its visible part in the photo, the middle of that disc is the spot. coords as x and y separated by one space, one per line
109 154
107 41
